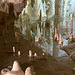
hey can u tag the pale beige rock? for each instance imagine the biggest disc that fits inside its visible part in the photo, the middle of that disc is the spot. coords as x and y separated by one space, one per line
16 70
30 71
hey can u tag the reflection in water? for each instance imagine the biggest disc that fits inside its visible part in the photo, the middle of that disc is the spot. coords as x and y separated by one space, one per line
42 31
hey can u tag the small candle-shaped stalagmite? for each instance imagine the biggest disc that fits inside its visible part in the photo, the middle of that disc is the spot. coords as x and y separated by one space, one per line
57 37
19 53
41 31
36 39
35 55
70 37
30 54
14 50
29 71
44 55
16 36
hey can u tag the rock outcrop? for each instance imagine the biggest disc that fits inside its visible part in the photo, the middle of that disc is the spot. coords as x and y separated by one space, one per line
10 9
16 70
70 50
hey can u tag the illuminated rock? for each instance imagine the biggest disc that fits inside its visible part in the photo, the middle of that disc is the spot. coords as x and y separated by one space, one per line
35 55
14 50
29 71
4 71
27 8
36 39
44 55
19 53
30 54
16 70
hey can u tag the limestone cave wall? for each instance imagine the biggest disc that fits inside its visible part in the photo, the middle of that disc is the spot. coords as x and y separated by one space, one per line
10 9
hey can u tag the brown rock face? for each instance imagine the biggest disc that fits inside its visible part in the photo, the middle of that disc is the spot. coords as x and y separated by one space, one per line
10 9
13 1
70 50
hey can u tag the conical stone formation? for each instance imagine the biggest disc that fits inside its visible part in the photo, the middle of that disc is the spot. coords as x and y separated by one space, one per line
16 70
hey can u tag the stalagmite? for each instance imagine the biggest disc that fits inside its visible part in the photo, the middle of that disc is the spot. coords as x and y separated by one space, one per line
19 53
36 39
27 8
41 31
14 50
66 25
35 9
30 71
44 55
30 54
44 9
35 55
56 35
16 70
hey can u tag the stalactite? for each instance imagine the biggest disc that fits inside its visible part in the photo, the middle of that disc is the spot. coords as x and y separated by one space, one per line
64 7
52 8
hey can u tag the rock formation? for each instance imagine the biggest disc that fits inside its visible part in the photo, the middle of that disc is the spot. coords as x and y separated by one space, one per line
16 70
10 9
70 50
30 71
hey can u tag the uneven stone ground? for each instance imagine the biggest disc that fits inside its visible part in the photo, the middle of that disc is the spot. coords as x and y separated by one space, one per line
51 66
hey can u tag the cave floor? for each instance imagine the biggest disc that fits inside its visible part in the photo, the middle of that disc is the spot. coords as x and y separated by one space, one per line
51 66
